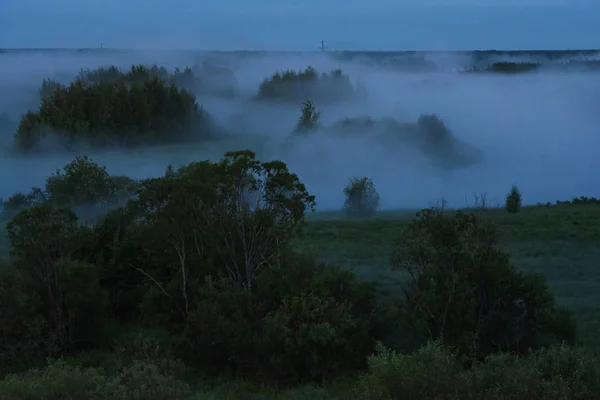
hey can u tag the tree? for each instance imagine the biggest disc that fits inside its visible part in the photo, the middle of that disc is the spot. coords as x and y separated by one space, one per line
465 292
513 200
88 188
44 242
309 119
229 218
362 199
295 86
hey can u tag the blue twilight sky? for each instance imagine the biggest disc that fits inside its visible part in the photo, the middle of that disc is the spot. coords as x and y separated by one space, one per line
302 24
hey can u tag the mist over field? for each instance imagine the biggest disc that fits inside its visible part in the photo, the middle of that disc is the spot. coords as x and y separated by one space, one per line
539 130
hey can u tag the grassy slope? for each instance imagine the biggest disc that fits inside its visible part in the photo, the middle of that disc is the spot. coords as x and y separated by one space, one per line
560 242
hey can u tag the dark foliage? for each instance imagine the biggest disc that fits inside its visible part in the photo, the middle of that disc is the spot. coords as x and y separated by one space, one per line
361 198
463 290
105 107
83 185
309 118
505 67
513 200
297 86
196 269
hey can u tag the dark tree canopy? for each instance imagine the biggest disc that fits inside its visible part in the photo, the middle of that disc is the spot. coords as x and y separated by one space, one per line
105 107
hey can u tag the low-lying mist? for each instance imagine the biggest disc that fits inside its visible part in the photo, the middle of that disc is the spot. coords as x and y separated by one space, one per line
539 130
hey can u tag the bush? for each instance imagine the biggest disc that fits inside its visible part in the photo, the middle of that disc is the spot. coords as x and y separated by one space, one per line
558 372
296 86
362 199
513 200
463 290
305 321
127 109
60 381
433 372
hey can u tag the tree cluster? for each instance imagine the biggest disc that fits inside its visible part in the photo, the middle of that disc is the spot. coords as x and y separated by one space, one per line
298 86
203 79
105 107
505 67
429 134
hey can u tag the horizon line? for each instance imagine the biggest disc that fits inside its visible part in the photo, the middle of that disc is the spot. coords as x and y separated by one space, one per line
5 49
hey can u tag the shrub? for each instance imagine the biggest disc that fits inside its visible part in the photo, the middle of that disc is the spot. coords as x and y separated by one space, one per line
305 321
60 381
324 321
296 86
581 200
149 347
513 200
465 292
132 109
362 199
55 382
558 372
434 372
307 330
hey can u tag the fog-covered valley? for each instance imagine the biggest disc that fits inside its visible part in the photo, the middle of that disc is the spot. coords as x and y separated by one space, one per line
538 129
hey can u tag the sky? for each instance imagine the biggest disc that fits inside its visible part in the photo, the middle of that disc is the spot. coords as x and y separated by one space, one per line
301 24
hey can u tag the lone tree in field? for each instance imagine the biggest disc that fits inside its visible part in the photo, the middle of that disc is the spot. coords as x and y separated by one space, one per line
362 199
514 200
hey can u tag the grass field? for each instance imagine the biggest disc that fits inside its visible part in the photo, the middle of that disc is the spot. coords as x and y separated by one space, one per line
560 242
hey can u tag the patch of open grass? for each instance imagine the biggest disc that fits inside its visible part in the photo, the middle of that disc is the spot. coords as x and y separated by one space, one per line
560 242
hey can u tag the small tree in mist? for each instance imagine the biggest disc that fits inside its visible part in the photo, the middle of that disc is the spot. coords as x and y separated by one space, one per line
362 199
514 200
309 119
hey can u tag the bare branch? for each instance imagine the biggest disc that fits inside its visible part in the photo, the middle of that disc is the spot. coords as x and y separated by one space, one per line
151 278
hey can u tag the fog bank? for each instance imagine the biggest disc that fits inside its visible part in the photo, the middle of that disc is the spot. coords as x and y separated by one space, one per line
539 130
